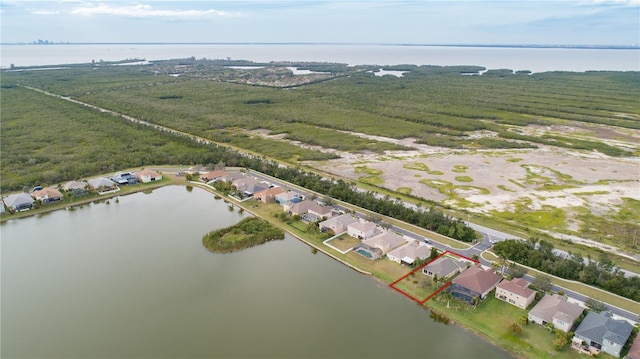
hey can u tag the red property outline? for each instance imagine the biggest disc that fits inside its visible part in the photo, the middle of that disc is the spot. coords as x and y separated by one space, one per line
422 301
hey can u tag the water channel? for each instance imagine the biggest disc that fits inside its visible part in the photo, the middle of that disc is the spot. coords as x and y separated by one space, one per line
131 279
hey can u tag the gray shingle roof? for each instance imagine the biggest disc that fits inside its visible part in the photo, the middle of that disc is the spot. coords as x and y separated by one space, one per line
600 326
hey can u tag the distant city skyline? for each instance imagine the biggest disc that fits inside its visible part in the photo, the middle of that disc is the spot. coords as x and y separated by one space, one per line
500 22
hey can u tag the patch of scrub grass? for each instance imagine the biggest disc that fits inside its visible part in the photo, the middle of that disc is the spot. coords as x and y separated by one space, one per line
505 188
464 179
367 170
475 189
404 190
517 183
555 187
460 168
593 193
551 218
421 167
513 159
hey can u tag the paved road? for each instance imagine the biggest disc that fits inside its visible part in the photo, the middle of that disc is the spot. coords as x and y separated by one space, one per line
489 237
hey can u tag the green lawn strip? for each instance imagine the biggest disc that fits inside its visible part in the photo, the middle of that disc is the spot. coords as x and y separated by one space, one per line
417 285
491 319
344 242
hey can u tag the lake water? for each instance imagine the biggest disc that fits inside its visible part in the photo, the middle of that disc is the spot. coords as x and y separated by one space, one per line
533 59
131 279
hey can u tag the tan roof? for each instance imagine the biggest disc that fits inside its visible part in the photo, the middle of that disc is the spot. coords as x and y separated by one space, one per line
412 250
75 185
363 226
305 206
477 279
147 172
269 192
213 175
556 306
343 219
385 241
48 192
517 286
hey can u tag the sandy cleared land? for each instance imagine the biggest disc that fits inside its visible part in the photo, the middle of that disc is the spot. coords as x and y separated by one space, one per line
503 181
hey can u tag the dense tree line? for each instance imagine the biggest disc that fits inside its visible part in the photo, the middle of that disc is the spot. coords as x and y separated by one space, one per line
540 255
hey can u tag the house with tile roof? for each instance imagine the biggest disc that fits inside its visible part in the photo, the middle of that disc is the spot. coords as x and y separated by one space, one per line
599 332
362 230
47 195
408 253
556 310
634 351
268 195
146 176
289 198
385 242
103 185
18 202
337 224
444 267
516 292
474 282
212 176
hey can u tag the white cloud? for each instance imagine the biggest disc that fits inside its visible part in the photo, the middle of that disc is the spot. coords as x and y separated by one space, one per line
142 11
45 12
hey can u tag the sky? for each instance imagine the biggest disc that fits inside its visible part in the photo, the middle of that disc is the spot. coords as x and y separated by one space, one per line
557 22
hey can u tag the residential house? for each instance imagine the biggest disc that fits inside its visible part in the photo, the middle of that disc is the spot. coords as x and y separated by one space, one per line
288 198
475 282
600 332
322 212
124 178
18 202
408 253
146 176
268 195
385 242
231 177
556 310
76 188
634 351
362 229
337 224
247 186
516 292
103 185
303 207
212 176
47 195
444 267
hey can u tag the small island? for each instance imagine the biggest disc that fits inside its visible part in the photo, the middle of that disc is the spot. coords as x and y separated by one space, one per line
247 233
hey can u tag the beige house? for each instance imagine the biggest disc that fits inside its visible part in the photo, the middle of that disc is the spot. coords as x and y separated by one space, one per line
362 230
337 224
444 267
212 175
146 176
268 195
385 242
408 253
47 195
555 309
516 292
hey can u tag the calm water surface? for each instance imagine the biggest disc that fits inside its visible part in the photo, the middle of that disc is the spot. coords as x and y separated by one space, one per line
131 279
533 59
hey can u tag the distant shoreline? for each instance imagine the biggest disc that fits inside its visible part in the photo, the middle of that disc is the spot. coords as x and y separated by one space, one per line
532 46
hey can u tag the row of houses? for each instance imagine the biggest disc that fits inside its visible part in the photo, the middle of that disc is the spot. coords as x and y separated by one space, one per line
25 201
597 332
